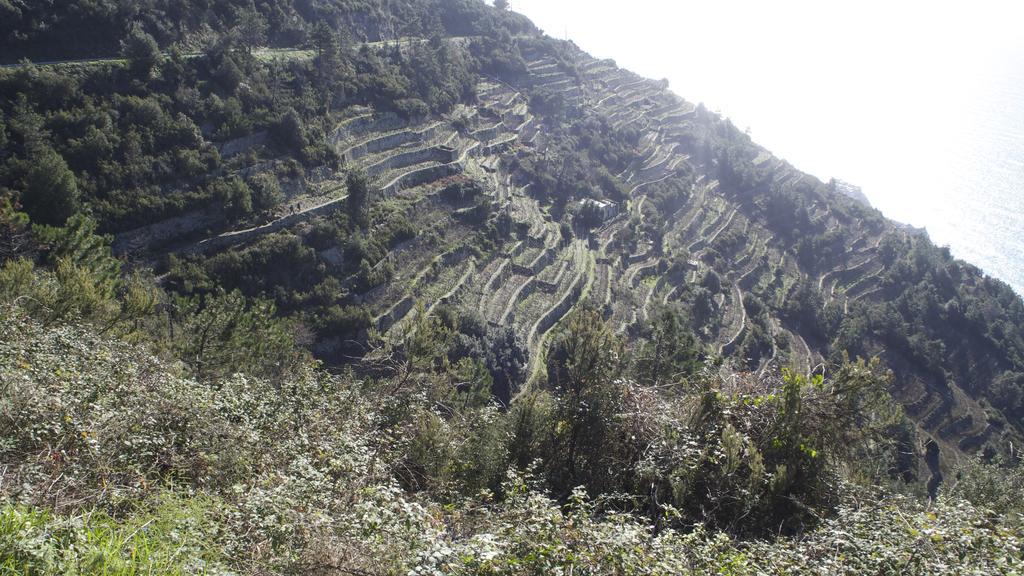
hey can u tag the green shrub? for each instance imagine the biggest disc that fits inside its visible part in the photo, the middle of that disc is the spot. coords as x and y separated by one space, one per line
174 535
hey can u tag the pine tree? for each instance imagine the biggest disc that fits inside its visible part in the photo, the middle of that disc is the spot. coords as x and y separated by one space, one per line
142 52
51 190
250 28
327 50
3 135
358 203
669 354
79 243
583 367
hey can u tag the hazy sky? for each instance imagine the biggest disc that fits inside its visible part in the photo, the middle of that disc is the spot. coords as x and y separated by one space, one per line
799 72
880 94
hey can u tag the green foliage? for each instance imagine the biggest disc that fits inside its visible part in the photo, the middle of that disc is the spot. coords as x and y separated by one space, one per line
130 137
266 192
459 446
441 75
79 243
992 486
112 424
893 535
3 134
712 281
82 281
289 133
176 536
67 292
578 161
584 363
502 353
250 27
234 197
51 192
759 457
327 49
220 334
345 320
15 232
307 470
357 186
670 353
142 432
278 266
583 355
141 51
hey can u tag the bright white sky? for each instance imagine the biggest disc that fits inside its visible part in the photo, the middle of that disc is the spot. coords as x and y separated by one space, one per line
820 83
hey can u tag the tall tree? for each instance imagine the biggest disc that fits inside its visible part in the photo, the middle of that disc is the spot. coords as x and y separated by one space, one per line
327 59
78 242
250 28
583 367
669 354
51 190
358 203
326 43
219 334
141 51
3 136
289 133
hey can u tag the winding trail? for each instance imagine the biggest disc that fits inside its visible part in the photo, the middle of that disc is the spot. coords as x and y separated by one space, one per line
264 54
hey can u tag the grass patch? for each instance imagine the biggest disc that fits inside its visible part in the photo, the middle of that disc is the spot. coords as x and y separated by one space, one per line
176 535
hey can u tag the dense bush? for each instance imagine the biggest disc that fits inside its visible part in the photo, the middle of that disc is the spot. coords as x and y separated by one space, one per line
116 461
146 431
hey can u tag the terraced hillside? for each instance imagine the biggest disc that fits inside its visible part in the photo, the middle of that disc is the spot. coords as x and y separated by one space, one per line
545 182
375 287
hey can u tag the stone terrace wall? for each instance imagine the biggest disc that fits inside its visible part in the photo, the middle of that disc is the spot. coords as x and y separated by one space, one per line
230 239
390 141
421 176
418 156
362 125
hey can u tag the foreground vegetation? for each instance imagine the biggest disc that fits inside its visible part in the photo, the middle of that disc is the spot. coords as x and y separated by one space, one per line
606 333
121 457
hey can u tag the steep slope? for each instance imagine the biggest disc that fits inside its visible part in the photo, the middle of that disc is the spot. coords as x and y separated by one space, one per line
514 178
114 460
564 321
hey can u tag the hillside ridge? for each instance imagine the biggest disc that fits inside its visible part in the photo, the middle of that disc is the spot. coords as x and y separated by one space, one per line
422 261
543 281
